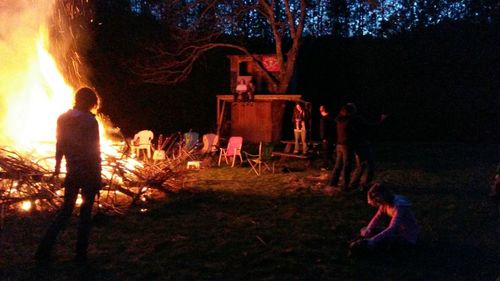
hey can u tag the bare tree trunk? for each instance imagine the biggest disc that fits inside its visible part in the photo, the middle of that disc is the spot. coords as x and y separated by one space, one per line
285 21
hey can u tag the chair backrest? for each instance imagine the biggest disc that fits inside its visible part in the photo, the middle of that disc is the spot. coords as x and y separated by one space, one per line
209 143
260 150
234 145
191 139
143 137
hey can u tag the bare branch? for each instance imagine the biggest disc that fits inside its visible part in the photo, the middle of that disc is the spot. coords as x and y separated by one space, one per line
194 35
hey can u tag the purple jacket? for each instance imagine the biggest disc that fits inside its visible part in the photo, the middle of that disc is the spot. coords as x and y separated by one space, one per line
403 222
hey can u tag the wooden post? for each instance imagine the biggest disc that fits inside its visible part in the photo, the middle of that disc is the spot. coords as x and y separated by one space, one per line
220 118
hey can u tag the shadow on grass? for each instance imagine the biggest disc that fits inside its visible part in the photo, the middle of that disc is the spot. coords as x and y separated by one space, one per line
211 235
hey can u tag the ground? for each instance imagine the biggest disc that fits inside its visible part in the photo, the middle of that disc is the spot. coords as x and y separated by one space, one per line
234 225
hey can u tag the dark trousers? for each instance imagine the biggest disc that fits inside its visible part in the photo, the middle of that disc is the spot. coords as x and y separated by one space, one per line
327 148
343 166
364 172
241 97
61 220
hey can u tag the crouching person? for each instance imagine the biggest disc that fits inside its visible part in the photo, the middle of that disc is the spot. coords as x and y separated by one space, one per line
402 231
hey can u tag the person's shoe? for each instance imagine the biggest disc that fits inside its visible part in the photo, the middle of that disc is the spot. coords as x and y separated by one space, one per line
351 187
80 259
43 255
328 183
43 260
363 188
330 190
295 152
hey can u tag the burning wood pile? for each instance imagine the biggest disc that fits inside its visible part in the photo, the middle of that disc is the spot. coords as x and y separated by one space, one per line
28 184
41 64
26 181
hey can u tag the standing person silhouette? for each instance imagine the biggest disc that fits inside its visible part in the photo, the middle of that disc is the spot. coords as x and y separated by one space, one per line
365 169
77 139
241 90
299 128
344 148
326 135
250 91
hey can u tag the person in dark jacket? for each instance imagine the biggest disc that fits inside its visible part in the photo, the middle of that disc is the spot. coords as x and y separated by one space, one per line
326 135
347 135
77 140
365 164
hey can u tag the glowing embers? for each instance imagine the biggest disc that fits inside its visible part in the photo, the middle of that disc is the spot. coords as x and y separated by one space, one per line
193 165
26 205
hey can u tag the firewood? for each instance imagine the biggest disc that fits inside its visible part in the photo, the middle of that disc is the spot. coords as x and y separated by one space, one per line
24 178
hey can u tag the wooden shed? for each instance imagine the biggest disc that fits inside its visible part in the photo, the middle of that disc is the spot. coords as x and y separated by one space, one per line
260 120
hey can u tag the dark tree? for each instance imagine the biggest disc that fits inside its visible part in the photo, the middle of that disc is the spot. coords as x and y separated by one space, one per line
196 27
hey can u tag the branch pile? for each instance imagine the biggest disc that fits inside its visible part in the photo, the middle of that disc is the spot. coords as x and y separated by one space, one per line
23 179
124 185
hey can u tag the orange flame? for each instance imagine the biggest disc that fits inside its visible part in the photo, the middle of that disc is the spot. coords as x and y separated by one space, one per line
32 90
36 99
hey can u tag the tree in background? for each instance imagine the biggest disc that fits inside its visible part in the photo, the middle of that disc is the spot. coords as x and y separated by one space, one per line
160 40
198 26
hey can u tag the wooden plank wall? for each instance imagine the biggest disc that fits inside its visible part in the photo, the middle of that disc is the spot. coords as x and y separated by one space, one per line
257 121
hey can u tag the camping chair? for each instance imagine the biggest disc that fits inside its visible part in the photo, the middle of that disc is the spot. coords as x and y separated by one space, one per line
255 161
233 150
169 145
187 145
191 140
210 142
142 141
164 143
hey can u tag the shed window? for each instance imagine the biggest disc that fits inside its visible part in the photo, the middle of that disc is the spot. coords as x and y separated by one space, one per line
243 71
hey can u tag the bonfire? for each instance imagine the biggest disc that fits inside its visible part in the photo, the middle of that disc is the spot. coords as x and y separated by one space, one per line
28 182
33 93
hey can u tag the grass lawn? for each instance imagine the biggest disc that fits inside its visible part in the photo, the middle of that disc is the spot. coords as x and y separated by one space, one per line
233 225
